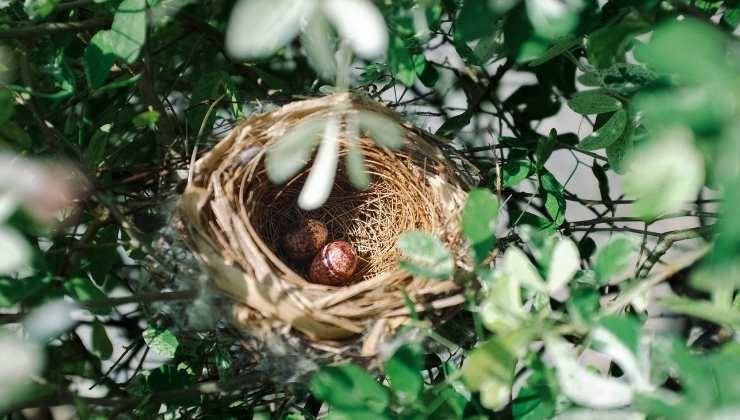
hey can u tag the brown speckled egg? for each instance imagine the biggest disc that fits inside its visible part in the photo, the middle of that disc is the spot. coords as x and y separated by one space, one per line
305 240
334 265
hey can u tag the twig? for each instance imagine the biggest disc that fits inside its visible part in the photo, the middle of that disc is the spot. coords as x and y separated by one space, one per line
52 28
646 284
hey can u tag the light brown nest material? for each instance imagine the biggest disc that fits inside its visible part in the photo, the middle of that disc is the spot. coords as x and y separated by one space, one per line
235 218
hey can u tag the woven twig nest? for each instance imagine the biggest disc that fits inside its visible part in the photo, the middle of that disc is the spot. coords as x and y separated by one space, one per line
235 217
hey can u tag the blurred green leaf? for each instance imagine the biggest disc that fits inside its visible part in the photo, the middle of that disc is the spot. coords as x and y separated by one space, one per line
404 372
401 61
613 258
146 119
292 152
479 222
101 344
83 290
664 174
425 256
489 368
517 265
476 20
383 130
125 37
564 264
348 387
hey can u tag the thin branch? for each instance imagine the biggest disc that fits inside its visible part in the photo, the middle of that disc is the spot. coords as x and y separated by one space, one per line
51 28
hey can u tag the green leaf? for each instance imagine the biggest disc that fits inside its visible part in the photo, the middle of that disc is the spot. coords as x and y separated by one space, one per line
207 89
564 264
83 290
613 258
15 253
618 151
580 384
707 42
729 316
404 372
453 125
664 173
555 203
558 47
146 119
501 309
401 61
98 59
161 341
517 265
348 387
476 20
479 222
101 344
6 105
356 169
515 171
490 367
425 255
594 102
257 28
609 43
128 31
553 19
292 152
607 134
14 291
39 8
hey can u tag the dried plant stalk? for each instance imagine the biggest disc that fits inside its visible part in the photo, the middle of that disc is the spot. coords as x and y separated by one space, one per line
235 217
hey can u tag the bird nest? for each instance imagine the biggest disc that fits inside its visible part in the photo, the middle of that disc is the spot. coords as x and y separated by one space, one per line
235 217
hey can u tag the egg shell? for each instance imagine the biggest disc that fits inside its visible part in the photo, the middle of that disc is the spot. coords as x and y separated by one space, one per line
305 240
334 265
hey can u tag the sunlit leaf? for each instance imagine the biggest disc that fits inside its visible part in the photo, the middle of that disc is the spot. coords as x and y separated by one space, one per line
425 255
383 130
320 180
161 341
257 28
319 43
27 360
356 168
501 309
564 264
664 174
581 385
360 23
127 33
479 222
517 265
292 152
15 252
49 320
613 258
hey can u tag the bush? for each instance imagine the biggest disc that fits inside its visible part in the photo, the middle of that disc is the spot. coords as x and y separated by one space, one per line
604 255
